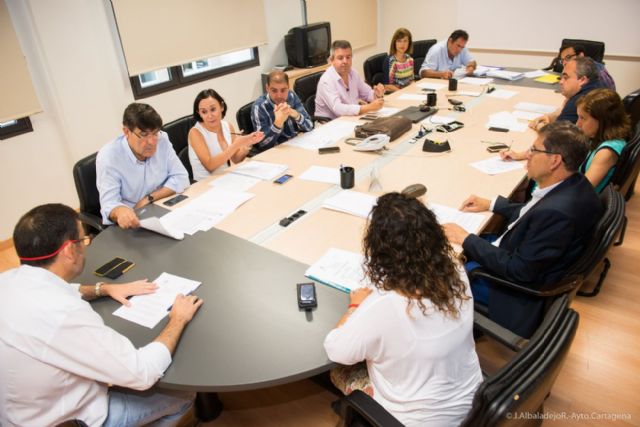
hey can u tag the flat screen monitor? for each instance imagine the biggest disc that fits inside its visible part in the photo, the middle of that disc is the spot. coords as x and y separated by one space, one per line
308 45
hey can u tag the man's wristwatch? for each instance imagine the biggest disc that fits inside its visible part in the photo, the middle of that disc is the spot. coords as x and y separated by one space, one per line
150 198
98 289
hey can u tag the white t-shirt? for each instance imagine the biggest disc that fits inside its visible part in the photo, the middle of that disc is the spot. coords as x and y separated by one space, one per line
211 139
424 369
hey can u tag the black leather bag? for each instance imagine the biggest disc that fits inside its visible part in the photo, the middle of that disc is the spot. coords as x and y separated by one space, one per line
391 126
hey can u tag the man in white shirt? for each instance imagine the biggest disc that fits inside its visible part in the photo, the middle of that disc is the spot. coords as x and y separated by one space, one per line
446 56
57 358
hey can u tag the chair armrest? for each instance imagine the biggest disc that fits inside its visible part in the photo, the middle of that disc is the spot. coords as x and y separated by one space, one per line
567 284
320 119
502 335
92 221
368 408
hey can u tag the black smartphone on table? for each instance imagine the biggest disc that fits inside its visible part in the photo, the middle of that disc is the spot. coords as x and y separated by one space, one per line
119 270
175 200
307 295
107 267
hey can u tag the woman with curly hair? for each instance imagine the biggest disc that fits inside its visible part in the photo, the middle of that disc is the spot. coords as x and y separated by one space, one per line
414 329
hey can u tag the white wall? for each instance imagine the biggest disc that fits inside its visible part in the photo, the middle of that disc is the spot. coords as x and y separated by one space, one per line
77 66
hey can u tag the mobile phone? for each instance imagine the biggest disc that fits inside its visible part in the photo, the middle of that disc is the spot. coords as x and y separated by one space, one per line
497 148
307 295
327 150
497 129
119 270
454 102
283 179
175 200
105 268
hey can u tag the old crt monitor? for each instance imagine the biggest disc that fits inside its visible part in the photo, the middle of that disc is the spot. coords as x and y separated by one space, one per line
308 45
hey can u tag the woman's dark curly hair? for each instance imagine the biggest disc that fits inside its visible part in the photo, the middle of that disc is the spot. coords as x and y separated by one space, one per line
406 251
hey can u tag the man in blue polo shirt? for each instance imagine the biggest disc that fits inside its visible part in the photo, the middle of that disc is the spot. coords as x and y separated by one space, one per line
137 167
446 56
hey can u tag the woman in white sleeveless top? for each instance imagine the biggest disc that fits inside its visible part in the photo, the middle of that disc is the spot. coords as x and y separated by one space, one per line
213 143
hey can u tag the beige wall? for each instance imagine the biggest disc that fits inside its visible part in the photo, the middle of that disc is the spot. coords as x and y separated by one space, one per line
78 71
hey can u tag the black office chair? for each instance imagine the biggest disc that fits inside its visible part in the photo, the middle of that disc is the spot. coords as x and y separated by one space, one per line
306 86
184 158
420 49
628 166
243 118
84 176
310 106
374 69
178 132
592 49
632 106
521 386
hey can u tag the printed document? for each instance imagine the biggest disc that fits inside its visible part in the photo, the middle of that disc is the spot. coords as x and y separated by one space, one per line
261 170
495 165
161 226
470 221
351 202
340 269
322 174
502 94
478 81
148 310
234 182
323 136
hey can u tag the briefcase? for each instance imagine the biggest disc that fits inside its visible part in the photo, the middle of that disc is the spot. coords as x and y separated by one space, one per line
392 126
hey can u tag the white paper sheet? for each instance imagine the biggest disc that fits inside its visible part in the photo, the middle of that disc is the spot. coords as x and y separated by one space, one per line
534 74
477 81
502 94
506 120
161 226
482 70
535 108
432 86
387 111
470 221
505 75
323 136
525 115
351 202
218 200
148 310
438 119
413 97
466 93
496 165
340 269
261 170
322 174
234 182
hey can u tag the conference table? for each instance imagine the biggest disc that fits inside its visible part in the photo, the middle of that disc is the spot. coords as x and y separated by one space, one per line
250 333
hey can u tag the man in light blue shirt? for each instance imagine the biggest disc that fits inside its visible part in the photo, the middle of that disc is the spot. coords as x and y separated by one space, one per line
137 168
446 56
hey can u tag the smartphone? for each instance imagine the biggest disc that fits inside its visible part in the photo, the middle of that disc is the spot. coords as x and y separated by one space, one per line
327 150
105 268
119 270
175 200
497 129
307 295
454 102
283 179
497 148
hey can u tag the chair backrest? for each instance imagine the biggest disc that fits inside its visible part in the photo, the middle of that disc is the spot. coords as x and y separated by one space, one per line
632 106
306 86
420 49
243 118
84 176
373 69
184 158
628 166
178 132
592 49
522 385
310 105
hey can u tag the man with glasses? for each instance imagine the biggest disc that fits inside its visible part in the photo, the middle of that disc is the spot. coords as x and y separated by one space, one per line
543 237
137 167
579 77
571 51
59 360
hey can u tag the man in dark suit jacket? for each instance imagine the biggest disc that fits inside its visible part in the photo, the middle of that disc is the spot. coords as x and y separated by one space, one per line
543 237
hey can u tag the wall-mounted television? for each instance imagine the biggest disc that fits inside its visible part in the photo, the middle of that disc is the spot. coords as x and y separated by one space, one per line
308 45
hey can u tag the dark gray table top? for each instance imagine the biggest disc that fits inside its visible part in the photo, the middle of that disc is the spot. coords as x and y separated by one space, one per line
526 82
249 333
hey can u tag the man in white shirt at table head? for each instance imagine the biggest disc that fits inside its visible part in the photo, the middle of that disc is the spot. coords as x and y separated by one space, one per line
341 91
137 168
57 357
446 56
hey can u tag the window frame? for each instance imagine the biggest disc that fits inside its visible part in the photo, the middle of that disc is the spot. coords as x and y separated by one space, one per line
178 79
23 125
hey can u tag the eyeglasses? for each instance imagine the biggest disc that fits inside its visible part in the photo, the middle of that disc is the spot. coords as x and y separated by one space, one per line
568 58
86 240
532 150
147 136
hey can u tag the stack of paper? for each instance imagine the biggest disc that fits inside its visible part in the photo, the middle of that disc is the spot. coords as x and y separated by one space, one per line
162 226
351 202
482 70
478 81
261 170
340 269
322 174
505 75
323 136
496 165
470 221
534 74
148 310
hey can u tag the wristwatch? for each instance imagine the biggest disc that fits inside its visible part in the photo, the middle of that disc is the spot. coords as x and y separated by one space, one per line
150 198
98 289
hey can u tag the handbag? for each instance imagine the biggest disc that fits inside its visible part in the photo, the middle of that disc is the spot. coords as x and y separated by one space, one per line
391 126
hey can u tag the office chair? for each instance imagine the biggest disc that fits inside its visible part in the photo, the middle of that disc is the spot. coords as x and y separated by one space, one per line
243 118
178 132
84 176
306 86
628 166
592 49
632 106
310 106
420 49
184 158
520 386
374 69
